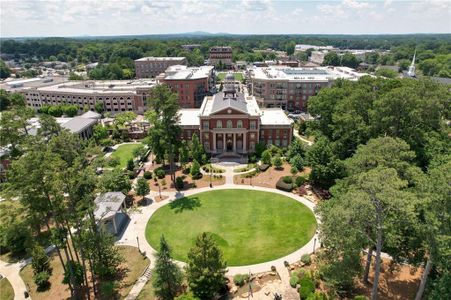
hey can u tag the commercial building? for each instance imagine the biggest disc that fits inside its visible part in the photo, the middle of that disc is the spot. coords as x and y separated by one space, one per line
115 95
192 84
290 88
305 47
149 67
231 122
221 54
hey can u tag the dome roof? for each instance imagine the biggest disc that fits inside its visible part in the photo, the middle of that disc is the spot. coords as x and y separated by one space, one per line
230 77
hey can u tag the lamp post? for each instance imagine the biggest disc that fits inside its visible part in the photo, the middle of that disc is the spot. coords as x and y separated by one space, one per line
211 170
314 245
137 240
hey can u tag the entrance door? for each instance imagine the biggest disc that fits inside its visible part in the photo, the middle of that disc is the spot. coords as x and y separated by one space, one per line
229 145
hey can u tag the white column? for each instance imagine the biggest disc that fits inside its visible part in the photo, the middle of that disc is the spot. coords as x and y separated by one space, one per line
244 142
234 142
214 142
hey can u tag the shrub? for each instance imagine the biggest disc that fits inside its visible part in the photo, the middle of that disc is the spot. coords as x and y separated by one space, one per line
273 268
266 157
147 175
179 182
159 173
277 161
263 167
287 179
294 281
131 174
195 169
286 264
108 289
240 279
130 164
42 279
294 170
40 261
113 161
307 287
300 180
281 185
318 296
305 259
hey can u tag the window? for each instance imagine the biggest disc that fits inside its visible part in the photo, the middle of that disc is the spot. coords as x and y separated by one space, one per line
219 124
229 124
205 125
253 125
239 124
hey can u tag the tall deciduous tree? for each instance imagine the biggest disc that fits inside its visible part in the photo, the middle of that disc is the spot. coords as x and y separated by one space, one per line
164 136
167 277
205 267
142 187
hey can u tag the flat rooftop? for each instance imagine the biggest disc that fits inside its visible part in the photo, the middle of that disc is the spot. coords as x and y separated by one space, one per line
180 72
100 86
16 85
317 74
154 58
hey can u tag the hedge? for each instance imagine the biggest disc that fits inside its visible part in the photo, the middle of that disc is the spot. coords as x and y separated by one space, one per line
287 179
281 185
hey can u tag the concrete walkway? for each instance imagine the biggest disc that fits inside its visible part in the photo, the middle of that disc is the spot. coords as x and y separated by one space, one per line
296 134
135 232
11 272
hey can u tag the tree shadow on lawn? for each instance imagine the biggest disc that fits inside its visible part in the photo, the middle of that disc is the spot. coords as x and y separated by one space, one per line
179 205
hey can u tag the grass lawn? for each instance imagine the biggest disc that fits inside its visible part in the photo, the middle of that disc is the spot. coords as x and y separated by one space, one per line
6 290
124 153
249 226
133 266
238 76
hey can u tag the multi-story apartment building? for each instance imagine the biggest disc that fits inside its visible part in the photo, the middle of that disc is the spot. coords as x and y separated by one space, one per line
290 88
232 122
115 95
221 54
150 67
192 84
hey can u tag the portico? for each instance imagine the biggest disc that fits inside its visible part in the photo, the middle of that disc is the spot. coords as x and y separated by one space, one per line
229 141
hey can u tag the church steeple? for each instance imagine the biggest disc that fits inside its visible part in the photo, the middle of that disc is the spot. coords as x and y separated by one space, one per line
411 71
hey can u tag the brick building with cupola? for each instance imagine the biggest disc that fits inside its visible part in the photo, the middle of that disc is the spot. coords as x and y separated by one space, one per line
232 122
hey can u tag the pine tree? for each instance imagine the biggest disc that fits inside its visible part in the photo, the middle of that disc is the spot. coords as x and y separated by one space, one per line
205 268
167 277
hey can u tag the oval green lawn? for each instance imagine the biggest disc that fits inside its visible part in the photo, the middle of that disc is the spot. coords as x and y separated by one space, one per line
249 226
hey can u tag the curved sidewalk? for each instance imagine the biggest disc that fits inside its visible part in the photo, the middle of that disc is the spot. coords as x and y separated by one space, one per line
137 227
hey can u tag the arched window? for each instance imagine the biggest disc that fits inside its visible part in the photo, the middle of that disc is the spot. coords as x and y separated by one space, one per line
229 124
219 124
239 124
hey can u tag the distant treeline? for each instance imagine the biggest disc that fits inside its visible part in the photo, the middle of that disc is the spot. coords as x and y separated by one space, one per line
123 50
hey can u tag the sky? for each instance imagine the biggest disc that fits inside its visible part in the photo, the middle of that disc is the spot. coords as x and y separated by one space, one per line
33 18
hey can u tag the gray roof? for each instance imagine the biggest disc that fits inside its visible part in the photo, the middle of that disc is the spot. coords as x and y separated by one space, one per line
108 204
221 103
91 115
78 124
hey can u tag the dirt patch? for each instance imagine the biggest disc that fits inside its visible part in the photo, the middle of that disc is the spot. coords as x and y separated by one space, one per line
400 282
